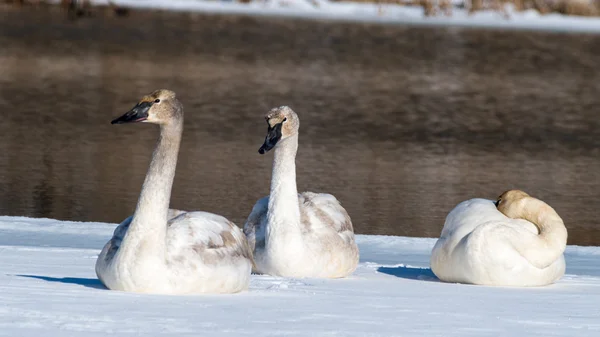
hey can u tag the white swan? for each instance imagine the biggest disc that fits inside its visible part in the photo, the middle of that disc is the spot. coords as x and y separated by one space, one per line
297 235
519 243
164 251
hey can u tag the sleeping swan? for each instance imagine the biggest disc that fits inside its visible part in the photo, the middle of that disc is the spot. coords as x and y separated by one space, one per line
516 241
297 235
164 251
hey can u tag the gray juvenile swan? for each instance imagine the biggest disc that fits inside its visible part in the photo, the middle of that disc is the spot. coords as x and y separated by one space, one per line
297 235
164 251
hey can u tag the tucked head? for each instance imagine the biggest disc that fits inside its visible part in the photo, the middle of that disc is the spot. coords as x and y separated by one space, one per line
508 203
160 107
283 123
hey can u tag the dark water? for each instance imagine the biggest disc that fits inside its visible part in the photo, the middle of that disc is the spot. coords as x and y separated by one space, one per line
400 123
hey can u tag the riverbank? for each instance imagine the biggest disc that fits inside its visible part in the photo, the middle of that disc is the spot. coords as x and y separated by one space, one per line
505 17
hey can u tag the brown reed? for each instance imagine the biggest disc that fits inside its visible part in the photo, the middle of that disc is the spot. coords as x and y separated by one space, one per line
431 7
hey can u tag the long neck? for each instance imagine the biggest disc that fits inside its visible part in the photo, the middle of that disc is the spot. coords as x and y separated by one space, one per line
283 200
149 224
552 238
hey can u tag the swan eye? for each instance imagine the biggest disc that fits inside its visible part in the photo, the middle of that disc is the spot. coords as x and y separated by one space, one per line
157 100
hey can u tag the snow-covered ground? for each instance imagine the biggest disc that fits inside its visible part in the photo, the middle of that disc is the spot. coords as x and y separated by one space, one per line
369 12
48 288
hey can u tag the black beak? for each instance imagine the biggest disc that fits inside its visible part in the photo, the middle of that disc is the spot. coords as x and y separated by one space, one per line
138 113
273 136
497 203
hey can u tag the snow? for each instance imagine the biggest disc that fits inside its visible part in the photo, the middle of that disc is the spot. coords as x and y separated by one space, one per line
48 288
369 12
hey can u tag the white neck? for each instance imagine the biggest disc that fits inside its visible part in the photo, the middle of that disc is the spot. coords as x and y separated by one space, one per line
552 239
148 227
284 212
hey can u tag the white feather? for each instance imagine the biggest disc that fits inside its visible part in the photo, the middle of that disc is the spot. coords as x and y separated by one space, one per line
480 245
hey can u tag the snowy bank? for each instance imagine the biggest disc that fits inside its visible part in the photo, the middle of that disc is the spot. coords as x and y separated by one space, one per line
374 13
48 288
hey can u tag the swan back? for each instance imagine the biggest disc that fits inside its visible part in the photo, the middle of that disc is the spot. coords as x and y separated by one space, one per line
323 211
466 218
207 244
256 224
469 214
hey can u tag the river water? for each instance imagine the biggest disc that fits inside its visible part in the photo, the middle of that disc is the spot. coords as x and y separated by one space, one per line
400 123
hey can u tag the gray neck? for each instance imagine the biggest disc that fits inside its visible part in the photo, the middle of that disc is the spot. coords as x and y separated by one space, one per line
149 223
283 200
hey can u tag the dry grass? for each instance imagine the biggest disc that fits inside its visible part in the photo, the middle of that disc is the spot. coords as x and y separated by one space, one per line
430 7
73 8
569 7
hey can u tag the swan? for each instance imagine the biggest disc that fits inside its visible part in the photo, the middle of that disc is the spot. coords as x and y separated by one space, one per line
516 241
292 234
162 251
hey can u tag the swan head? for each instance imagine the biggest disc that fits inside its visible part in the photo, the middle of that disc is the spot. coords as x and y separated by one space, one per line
509 203
160 107
283 123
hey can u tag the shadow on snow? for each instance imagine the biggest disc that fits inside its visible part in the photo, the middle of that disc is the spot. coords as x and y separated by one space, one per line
411 273
86 282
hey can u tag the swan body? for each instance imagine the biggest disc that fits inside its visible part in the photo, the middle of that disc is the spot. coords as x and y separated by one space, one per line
297 235
165 251
481 245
